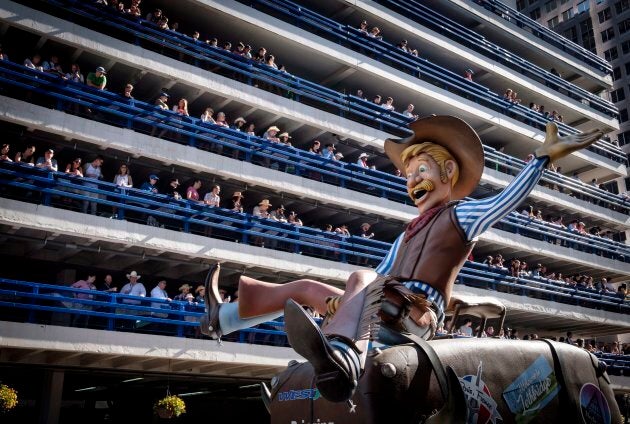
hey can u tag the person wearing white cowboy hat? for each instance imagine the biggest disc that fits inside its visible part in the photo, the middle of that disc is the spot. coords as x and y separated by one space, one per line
237 202
133 287
262 209
239 124
184 289
284 138
443 162
272 133
362 161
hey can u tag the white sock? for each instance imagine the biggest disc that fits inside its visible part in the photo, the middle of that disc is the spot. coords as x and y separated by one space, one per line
229 320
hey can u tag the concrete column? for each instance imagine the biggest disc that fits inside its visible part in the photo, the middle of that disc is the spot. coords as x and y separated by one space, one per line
50 399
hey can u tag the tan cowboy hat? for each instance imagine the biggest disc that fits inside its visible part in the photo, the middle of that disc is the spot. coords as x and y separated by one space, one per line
265 202
240 119
184 287
365 224
273 128
134 274
199 288
238 194
285 134
454 134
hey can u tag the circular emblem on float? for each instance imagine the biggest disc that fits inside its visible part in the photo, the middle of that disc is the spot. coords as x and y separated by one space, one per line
594 405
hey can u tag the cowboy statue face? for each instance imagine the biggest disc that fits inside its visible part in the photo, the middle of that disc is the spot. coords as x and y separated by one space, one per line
431 175
442 160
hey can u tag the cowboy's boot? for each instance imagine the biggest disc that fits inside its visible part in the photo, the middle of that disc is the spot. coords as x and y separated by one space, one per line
210 321
223 318
335 359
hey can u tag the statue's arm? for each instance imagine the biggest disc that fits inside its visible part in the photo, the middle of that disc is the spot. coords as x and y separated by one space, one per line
477 216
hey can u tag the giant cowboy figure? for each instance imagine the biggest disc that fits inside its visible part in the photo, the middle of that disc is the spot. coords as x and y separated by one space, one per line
409 290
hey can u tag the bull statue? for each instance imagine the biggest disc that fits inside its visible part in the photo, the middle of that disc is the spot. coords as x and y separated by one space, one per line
465 380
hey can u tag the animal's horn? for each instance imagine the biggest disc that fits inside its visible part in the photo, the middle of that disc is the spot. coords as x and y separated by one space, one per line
265 394
454 410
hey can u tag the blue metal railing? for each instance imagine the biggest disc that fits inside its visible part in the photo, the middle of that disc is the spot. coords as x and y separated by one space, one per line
48 303
144 117
235 66
44 303
431 19
419 67
357 108
546 34
191 216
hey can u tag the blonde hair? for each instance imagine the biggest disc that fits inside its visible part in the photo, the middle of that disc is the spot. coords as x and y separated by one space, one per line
439 154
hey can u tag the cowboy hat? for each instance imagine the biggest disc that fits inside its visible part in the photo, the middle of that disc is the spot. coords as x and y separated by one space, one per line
363 155
199 288
238 194
264 202
240 119
285 134
134 274
365 224
184 287
452 133
273 128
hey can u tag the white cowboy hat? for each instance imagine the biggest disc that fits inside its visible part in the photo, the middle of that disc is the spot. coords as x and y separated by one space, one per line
134 274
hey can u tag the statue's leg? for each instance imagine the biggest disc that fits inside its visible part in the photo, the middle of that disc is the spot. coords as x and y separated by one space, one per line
259 302
338 355
258 297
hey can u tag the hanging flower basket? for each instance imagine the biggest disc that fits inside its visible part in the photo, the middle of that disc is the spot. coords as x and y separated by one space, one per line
8 398
169 407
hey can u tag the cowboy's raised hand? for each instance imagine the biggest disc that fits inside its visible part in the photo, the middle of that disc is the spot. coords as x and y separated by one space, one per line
556 147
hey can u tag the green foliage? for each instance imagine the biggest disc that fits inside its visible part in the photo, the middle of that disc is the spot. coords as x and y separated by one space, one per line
8 398
172 403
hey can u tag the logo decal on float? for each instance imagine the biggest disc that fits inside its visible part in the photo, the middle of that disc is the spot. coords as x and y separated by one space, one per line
299 395
594 405
482 409
531 391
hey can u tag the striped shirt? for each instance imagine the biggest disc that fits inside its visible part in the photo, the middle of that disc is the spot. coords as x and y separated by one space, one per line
476 216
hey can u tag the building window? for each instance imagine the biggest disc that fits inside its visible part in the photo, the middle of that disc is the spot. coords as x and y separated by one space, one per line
625 47
582 6
623 139
564 1
624 26
535 14
623 115
608 34
520 5
571 34
622 6
611 54
617 95
604 15
550 5
616 73
588 36
567 14
628 69
553 22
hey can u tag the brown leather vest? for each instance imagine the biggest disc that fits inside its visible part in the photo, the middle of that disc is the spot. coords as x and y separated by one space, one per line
435 254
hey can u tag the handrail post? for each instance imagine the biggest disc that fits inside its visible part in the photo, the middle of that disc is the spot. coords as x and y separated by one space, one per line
180 327
111 322
31 314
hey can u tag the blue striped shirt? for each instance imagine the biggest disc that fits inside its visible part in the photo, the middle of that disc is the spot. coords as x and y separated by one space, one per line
476 216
